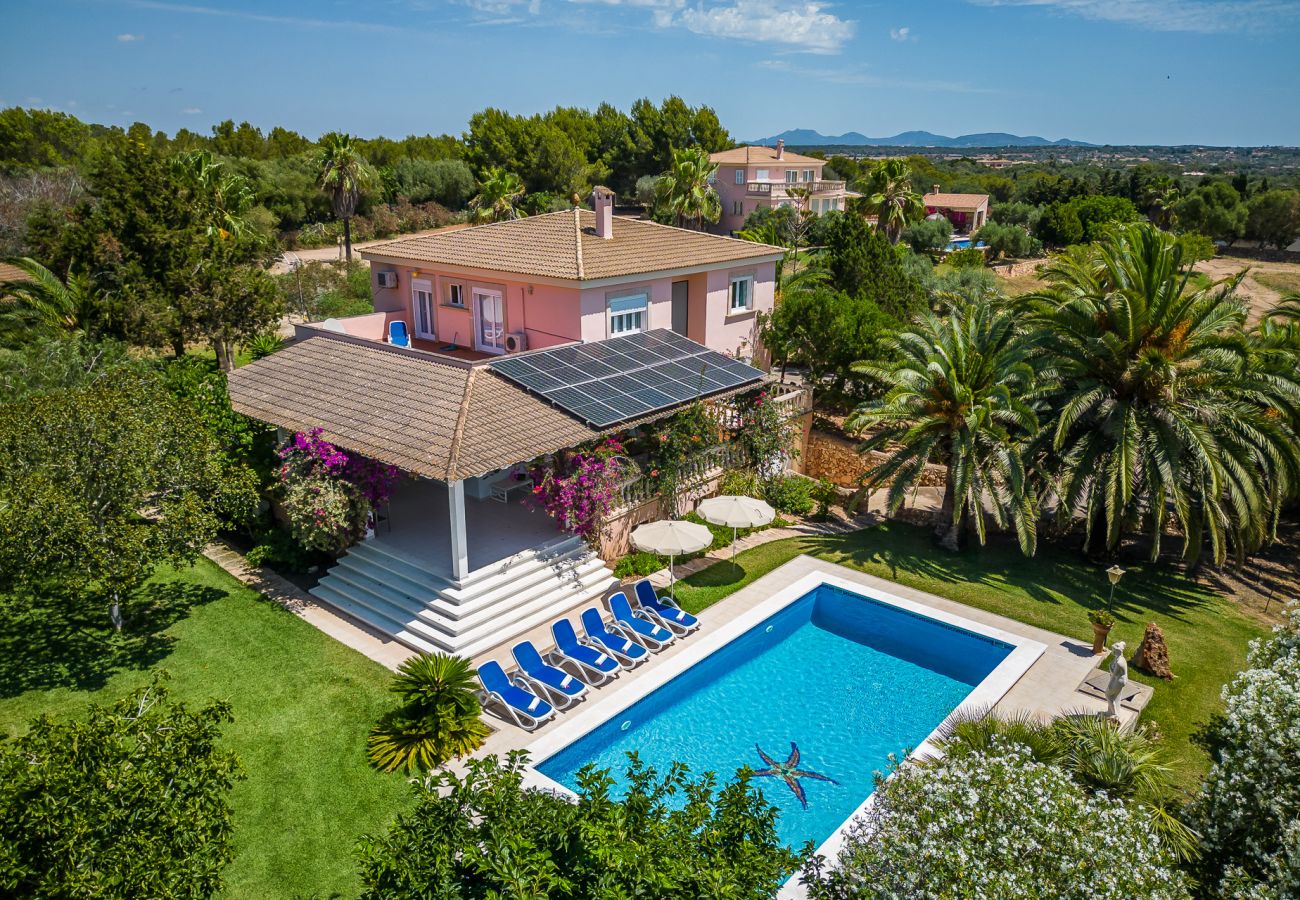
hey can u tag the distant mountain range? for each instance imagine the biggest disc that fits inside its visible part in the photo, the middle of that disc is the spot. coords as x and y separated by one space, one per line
806 137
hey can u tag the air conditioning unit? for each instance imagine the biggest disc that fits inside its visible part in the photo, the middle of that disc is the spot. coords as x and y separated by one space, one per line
386 279
516 341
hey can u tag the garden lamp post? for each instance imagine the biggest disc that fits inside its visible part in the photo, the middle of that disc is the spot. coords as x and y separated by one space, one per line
1114 573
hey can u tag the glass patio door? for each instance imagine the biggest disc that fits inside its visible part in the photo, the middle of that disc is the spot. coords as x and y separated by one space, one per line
422 303
490 324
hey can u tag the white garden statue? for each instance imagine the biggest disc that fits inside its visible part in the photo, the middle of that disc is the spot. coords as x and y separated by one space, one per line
1118 668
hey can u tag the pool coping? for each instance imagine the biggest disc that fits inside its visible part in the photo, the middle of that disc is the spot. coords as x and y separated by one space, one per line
983 697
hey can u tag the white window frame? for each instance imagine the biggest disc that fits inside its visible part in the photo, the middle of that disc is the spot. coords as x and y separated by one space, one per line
486 293
763 175
423 318
808 175
791 176
627 313
748 281
740 176
455 294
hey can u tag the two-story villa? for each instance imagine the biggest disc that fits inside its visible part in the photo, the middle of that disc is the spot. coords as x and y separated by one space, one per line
752 177
577 275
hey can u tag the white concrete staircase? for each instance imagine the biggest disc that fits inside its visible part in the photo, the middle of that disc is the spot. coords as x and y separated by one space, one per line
428 612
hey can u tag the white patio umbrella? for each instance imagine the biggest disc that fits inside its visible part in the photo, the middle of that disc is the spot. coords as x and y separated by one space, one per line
735 513
671 538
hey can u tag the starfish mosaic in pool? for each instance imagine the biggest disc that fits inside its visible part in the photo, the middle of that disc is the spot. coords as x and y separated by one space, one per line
790 771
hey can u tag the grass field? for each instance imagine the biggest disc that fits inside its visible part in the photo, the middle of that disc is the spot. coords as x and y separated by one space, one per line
1206 633
302 706
1282 282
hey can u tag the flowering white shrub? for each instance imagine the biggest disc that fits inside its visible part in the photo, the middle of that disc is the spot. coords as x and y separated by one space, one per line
1249 808
997 825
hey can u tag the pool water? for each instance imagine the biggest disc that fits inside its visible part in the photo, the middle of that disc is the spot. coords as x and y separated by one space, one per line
846 678
961 244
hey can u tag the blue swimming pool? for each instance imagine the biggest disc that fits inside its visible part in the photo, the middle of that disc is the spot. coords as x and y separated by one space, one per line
961 244
845 678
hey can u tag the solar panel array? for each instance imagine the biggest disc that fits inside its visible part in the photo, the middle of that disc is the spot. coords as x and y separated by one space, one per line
627 377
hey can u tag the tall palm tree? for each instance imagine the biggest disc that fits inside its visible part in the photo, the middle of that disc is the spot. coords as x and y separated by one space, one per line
891 198
499 193
344 174
1162 197
962 395
1160 413
688 191
41 304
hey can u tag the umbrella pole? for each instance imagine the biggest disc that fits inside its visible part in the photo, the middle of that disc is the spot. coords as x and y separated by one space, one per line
733 543
672 582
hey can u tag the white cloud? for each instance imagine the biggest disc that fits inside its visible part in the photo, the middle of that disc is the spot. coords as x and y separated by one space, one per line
1203 16
901 34
130 38
191 111
805 25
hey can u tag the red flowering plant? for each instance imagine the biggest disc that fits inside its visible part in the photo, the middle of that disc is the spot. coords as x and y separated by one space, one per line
578 488
677 439
767 437
327 494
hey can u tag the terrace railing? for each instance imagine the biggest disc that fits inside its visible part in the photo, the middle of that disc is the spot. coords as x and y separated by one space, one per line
780 188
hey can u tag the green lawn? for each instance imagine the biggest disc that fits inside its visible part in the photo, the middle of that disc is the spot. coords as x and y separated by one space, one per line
1207 635
302 706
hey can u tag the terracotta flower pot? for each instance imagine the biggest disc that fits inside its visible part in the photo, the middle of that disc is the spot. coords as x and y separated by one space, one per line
1099 635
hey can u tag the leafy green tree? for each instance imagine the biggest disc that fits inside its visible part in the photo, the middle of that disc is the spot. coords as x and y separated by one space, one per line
862 262
446 181
498 197
102 483
997 824
344 175
687 189
484 835
1008 240
1160 412
130 801
1215 210
927 235
961 394
41 305
1059 225
891 199
1015 213
1093 215
439 721
39 138
1273 218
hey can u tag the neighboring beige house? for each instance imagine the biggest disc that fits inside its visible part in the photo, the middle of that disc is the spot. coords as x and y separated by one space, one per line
967 212
752 177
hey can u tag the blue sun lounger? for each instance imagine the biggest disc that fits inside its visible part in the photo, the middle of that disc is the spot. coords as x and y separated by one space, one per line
628 652
596 664
643 630
561 688
663 610
524 708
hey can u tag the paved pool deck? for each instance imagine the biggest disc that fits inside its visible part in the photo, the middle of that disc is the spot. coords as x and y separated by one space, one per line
1048 689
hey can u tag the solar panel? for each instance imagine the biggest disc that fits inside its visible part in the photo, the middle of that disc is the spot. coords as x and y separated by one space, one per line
627 377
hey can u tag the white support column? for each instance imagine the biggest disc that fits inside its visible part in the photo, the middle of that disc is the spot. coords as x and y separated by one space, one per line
459 542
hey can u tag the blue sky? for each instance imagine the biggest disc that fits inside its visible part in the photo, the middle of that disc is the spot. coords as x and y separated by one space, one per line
1121 71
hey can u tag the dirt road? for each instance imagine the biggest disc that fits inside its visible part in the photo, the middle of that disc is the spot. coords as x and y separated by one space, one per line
1263 286
335 254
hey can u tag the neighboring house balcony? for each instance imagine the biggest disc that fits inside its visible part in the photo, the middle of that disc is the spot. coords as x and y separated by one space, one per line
780 190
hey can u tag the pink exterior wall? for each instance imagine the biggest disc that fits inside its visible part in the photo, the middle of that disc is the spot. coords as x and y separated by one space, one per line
731 193
552 315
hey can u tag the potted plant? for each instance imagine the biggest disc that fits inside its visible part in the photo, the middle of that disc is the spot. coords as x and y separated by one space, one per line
1102 623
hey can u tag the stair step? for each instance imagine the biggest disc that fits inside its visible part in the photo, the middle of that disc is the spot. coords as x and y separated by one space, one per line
367 616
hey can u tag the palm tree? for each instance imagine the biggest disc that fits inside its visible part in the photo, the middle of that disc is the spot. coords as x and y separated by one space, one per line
439 721
41 304
1162 197
962 395
687 188
498 196
1160 413
891 198
344 174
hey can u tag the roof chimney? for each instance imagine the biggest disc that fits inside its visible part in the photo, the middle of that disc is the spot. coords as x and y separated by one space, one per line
603 200
780 148
935 189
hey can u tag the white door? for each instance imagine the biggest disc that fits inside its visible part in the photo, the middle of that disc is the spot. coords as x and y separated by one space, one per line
422 308
490 321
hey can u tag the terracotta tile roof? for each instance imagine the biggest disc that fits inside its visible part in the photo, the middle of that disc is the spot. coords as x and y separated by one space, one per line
956 201
12 273
754 155
426 414
564 245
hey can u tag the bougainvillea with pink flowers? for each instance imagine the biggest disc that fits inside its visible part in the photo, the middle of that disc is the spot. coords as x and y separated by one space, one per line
578 489
327 494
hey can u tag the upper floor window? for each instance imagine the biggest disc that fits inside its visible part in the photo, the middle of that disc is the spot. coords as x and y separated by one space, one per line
742 293
740 176
627 314
455 294
791 176
761 175
807 174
